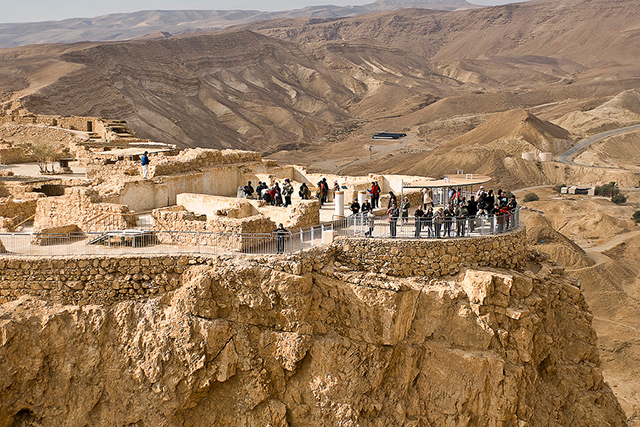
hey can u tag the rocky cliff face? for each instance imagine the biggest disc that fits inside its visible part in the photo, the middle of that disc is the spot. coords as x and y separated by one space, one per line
256 342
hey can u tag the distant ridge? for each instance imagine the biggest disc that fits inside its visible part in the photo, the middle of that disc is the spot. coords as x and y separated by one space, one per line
126 26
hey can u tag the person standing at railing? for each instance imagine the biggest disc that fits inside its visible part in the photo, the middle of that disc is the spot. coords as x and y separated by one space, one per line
494 217
513 206
281 234
462 213
448 215
355 207
144 161
418 215
392 200
427 220
393 213
366 207
371 223
472 211
405 210
438 219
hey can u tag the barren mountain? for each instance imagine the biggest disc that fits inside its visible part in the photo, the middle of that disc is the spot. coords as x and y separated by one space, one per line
223 90
494 148
589 32
161 23
240 89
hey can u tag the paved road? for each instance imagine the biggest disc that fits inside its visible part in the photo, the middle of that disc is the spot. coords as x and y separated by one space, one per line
564 158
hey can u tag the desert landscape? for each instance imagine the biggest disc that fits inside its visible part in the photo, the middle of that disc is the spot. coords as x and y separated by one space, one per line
539 96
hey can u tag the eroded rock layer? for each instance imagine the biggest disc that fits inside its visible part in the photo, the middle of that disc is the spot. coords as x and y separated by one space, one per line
306 342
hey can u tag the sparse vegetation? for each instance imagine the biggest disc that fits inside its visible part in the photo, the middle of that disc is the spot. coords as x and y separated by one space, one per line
531 197
619 199
558 188
607 190
636 217
44 154
611 190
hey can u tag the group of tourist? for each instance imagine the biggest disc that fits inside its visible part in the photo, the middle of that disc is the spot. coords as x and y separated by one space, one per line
456 219
274 195
277 195
453 219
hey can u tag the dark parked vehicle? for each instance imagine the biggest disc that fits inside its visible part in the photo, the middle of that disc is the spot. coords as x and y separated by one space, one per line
388 135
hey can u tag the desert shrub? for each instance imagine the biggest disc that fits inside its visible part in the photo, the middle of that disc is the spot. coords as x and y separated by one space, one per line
607 190
558 188
636 216
531 197
619 199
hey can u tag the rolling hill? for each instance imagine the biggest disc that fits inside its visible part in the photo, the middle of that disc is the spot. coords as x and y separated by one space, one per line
161 23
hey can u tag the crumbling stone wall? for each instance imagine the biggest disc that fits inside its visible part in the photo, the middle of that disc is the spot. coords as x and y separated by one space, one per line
12 212
81 207
432 258
12 155
90 279
224 232
198 159
301 214
11 208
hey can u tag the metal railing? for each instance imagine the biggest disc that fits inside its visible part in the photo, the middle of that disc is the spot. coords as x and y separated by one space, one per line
118 242
363 225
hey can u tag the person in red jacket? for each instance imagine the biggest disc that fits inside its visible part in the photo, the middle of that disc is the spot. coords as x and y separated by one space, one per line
375 195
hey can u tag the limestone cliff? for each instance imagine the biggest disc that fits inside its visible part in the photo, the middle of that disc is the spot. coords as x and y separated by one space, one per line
305 341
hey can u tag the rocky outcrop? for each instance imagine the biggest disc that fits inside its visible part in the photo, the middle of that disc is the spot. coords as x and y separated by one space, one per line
303 342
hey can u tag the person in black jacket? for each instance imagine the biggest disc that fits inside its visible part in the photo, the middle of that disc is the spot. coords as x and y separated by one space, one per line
418 215
393 213
392 200
448 220
427 220
281 234
355 207
472 210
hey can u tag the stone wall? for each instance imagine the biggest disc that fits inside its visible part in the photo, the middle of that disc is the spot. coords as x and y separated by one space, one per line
301 214
199 159
432 258
81 207
220 231
12 208
12 155
90 279
99 279
12 211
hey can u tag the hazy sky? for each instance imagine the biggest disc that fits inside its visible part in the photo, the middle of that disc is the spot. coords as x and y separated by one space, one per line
54 10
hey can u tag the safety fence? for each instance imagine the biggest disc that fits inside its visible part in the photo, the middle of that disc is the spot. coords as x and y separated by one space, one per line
140 241
364 225
164 242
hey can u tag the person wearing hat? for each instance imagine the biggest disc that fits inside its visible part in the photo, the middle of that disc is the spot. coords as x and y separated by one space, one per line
144 161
